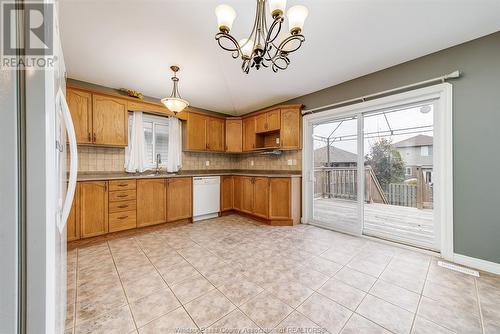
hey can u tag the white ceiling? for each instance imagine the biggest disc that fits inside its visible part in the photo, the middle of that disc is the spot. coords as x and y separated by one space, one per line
132 43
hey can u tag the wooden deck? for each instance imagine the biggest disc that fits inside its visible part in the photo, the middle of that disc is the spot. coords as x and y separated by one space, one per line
398 223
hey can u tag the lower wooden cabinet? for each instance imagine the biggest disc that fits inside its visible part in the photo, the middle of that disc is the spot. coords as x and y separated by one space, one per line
179 198
261 197
151 202
93 208
274 199
237 192
226 194
247 194
73 223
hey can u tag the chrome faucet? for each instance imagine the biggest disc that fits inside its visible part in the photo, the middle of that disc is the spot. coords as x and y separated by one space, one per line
158 162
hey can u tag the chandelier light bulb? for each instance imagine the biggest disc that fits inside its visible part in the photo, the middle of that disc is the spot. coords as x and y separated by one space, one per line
296 18
225 17
277 7
246 46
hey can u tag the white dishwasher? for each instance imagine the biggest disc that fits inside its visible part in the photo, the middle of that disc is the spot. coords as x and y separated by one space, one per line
206 197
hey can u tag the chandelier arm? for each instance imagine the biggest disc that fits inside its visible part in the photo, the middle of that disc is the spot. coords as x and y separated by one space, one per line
236 50
298 37
276 22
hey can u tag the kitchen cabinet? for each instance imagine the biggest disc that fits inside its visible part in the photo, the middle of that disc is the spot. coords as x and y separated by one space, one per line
291 128
237 192
122 205
279 199
151 202
249 134
98 119
226 194
215 134
204 133
109 121
247 194
93 208
268 121
80 107
73 222
261 197
196 136
234 133
179 198
276 200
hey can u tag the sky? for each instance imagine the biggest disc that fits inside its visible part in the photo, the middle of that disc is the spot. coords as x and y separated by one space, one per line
374 124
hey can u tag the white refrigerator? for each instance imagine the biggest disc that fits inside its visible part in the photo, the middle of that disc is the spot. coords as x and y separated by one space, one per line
61 184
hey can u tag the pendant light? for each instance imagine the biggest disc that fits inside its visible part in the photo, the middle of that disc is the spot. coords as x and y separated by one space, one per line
175 103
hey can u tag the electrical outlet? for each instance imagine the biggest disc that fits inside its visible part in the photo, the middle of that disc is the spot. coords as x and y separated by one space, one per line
207 163
278 141
251 163
289 162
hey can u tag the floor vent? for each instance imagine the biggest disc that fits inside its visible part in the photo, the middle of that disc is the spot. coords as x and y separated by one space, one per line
460 269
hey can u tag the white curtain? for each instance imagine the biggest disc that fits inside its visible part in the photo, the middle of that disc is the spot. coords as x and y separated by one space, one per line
136 158
174 156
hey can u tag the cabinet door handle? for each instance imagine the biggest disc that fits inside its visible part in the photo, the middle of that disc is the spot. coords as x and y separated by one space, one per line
122 185
122 217
122 206
105 186
89 137
122 196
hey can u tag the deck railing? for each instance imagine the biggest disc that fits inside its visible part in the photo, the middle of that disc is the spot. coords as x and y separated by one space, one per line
342 182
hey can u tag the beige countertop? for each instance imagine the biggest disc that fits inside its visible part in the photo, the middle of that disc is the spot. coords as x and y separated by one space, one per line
99 176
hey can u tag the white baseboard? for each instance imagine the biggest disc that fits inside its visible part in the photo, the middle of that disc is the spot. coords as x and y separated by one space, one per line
475 263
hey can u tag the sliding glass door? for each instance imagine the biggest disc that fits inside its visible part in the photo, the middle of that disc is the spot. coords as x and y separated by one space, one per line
336 181
398 159
382 169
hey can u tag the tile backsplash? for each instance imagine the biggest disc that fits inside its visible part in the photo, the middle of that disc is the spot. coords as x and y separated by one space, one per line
111 159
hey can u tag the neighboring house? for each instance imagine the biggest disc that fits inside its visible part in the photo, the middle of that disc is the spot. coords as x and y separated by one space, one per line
417 152
338 158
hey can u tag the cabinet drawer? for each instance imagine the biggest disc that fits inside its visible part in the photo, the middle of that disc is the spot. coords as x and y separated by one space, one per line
119 221
125 195
121 185
122 206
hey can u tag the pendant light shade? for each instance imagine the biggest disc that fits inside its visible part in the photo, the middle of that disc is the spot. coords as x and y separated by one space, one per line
175 103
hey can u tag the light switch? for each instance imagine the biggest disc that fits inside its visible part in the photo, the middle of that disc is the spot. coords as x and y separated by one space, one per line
207 163
251 163
289 162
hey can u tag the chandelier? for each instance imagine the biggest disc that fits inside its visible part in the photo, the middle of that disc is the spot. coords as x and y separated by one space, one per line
175 103
265 46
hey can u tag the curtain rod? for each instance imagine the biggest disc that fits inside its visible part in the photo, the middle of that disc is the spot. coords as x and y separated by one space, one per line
443 78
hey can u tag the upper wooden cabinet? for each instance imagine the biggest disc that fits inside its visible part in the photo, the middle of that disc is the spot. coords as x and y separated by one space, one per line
151 202
195 134
98 119
291 128
276 128
179 198
268 121
204 133
93 208
215 134
249 126
80 107
109 120
234 134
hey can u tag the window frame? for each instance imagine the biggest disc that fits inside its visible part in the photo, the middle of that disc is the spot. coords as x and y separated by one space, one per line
154 119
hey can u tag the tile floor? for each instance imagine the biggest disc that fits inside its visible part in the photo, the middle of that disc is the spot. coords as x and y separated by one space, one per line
231 274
